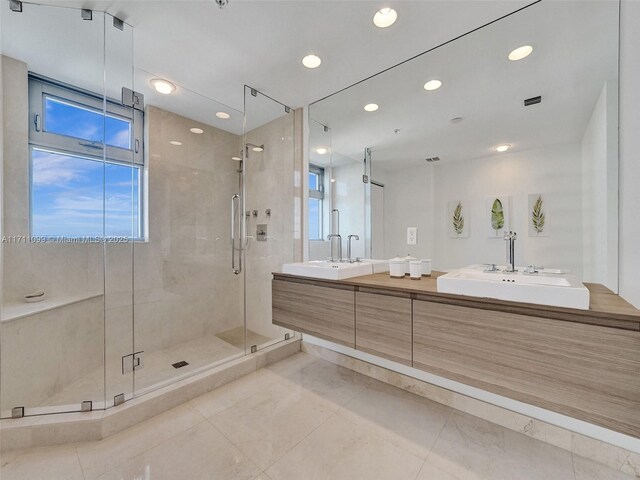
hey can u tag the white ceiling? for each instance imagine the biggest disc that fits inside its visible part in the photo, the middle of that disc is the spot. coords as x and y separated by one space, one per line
575 53
215 52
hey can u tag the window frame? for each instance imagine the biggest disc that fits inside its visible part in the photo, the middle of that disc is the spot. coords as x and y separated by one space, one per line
42 87
318 194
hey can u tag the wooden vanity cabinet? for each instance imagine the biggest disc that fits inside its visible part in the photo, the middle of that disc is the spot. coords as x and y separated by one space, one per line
588 372
322 310
383 325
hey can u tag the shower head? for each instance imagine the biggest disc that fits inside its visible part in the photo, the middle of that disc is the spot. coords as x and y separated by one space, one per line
254 148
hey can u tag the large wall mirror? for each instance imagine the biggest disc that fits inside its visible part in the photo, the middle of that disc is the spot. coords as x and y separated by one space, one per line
476 138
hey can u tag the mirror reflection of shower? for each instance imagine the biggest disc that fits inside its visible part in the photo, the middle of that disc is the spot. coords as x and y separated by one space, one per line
254 148
240 168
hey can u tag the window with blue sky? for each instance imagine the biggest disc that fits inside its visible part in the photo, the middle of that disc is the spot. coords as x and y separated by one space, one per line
75 196
66 118
316 198
77 190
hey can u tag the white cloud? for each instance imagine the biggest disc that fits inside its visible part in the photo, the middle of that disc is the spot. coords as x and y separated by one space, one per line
52 169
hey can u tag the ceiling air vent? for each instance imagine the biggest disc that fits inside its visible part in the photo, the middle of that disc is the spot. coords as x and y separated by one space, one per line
432 159
532 101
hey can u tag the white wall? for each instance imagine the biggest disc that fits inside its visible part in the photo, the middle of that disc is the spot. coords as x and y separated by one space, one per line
552 171
629 152
600 191
408 202
419 197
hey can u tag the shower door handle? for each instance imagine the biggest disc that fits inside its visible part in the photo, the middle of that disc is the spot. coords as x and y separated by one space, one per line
234 212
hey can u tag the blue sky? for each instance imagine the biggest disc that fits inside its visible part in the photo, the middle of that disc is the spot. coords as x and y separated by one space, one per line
74 121
76 196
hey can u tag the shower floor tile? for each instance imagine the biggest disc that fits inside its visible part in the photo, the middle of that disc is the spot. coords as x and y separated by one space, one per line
288 423
158 368
235 337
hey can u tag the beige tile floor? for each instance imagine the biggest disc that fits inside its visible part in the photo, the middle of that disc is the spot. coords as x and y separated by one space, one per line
306 419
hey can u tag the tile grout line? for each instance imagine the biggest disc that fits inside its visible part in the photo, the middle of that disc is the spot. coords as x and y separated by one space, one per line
382 437
303 394
444 425
232 443
333 414
75 449
420 469
149 449
111 468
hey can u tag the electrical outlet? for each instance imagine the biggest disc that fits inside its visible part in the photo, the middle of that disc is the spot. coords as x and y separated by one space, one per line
412 235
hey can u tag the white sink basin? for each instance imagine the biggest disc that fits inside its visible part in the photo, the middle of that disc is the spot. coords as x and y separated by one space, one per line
543 288
379 266
331 270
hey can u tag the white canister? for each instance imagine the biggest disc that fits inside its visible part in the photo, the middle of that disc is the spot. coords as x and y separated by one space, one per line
415 270
397 267
408 259
426 267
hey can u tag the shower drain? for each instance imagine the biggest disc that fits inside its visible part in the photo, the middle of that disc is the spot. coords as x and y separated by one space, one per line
180 364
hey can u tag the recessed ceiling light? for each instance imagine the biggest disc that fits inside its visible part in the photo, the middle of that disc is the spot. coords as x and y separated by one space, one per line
163 86
371 107
311 61
175 142
385 17
432 85
520 53
258 149
237 159
197 130
223 115
502 148
321 151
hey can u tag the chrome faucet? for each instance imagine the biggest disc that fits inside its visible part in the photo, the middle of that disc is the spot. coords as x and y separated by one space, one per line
330 238
349 247
337 212
510 238
532 270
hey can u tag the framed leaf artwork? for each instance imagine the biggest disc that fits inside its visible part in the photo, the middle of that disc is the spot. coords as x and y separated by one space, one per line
538 216
498 217
457 219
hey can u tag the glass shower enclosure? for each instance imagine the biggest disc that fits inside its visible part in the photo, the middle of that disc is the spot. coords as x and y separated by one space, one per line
139 230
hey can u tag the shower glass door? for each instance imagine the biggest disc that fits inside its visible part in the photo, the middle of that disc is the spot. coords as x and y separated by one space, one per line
188 302
123 200
66 199
272 180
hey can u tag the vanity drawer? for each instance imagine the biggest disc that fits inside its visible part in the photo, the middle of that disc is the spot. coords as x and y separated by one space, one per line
585 371
383 326
321 311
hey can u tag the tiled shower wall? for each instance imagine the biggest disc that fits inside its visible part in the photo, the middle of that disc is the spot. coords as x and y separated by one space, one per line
44 352
273 181
184 287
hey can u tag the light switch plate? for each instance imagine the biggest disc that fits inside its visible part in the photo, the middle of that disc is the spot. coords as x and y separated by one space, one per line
412 235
